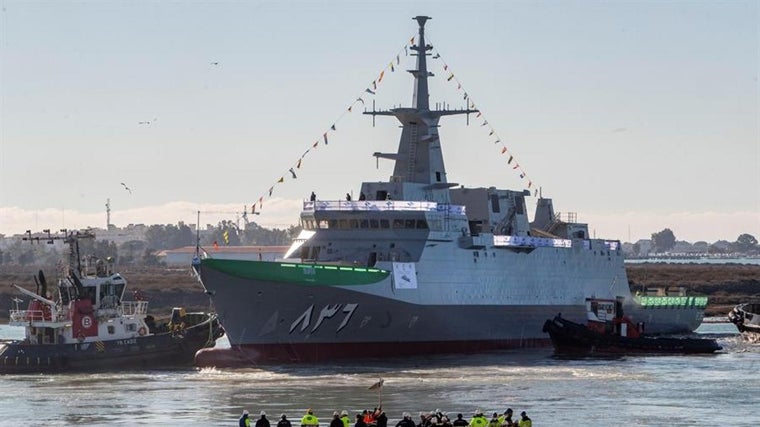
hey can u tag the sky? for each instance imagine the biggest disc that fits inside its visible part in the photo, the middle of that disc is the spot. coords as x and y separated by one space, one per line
637 116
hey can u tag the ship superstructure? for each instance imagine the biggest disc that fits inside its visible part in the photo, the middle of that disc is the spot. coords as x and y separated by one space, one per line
419 264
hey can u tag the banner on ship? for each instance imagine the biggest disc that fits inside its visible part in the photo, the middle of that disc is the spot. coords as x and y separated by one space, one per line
404 275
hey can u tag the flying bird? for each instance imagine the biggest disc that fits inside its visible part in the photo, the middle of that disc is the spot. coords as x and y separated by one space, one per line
214 63
126 188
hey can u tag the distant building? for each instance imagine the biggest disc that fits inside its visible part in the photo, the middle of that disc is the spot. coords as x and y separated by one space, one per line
184 256
121 235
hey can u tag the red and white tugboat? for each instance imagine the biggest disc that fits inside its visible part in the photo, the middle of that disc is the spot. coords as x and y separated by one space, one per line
85 324
608 331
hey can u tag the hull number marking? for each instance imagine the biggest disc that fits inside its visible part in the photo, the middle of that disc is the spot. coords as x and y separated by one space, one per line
327 312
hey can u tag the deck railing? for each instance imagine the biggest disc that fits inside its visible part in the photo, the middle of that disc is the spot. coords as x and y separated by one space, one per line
134 308
381 206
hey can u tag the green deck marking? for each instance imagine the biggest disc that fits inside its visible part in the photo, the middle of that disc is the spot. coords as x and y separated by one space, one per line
305 274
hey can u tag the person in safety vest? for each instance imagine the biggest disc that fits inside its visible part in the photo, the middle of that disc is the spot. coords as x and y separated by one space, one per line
344 417
244 420
494 421
284 422
478 420
525 421
506 419
309 420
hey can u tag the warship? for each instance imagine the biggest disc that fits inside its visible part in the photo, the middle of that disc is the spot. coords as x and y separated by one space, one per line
421 265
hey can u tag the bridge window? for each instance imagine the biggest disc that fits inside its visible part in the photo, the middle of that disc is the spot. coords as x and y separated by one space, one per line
495 203
364 224
398 223
384 223
409 223
373 223
354 223
422 224
333 223
438 176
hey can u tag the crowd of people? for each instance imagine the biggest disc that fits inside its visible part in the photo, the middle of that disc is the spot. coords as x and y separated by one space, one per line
378 418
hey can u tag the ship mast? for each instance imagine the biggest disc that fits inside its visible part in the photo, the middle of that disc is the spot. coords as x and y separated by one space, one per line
419 165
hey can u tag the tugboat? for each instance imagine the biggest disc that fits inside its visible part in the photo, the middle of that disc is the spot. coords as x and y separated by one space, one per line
608 331
87 325
746 317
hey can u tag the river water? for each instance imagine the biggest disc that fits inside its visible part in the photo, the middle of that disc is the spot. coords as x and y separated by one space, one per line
720 389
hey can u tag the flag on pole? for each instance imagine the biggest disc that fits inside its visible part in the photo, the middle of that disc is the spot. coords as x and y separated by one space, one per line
368 90
298 166
282 179
333 127
382 73
377 385
292 172
325 136
270 190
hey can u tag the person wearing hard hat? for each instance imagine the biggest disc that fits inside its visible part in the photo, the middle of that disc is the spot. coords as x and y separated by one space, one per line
244 420
479 420
263 421
336 421
345 418
309 420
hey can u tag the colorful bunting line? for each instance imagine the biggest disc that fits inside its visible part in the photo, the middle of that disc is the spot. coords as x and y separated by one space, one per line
333 127
491 131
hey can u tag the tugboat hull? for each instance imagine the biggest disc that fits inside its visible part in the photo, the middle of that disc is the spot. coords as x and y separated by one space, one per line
571 337
150 351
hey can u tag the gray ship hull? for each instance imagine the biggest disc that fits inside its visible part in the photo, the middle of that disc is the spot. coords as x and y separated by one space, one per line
275 321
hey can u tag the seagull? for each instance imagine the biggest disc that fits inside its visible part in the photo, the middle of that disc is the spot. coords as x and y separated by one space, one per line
126 188
143 123
214 63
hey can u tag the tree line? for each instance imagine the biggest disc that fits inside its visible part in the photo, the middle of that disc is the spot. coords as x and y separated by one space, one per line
158 237
664 241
